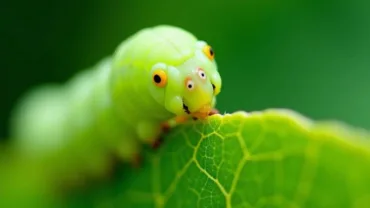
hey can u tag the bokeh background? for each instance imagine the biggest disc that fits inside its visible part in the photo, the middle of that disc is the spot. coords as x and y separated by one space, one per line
309 56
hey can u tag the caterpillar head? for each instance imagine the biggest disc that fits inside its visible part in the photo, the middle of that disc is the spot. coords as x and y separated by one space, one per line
190 88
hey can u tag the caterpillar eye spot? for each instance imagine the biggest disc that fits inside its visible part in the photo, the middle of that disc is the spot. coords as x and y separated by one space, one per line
201 73
157 79
208 51
160 78
190 84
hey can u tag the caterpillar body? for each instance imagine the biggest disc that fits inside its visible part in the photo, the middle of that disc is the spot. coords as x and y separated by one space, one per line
156 76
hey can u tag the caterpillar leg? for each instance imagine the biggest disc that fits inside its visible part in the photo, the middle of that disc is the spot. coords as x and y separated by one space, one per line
214 111
149 133
166 126
129 151
137 159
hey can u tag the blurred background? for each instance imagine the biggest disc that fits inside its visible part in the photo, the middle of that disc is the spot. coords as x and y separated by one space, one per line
309 56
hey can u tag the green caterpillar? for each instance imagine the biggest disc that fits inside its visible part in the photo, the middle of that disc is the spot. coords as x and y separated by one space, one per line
157 76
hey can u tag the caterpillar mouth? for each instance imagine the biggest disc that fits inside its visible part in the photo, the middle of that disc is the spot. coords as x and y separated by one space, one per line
185 107
202 113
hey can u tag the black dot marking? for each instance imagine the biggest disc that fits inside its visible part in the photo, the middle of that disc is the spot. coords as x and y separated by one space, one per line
157 78
186 108
214 87
211 51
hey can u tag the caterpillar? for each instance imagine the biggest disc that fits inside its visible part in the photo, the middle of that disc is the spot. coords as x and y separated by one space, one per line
158 77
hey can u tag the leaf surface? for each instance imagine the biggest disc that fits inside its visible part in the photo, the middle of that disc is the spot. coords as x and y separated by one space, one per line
273 158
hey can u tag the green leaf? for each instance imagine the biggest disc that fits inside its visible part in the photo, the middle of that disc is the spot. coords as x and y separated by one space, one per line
274 158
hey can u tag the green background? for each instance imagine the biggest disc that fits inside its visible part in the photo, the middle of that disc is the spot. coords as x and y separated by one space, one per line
309 56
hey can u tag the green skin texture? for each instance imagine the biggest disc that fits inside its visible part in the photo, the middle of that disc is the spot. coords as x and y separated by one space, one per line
114 107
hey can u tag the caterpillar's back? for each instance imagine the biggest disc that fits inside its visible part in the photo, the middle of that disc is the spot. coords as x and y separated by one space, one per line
176 45
39 115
